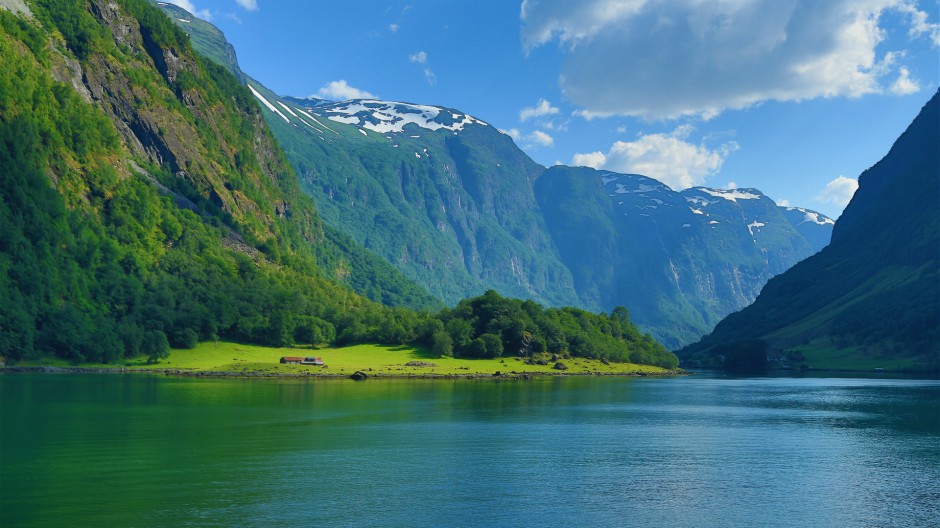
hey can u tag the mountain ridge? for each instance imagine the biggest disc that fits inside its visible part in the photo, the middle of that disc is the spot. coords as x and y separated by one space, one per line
452 203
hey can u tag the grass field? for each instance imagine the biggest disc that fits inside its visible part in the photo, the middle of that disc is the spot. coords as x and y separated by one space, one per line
371 359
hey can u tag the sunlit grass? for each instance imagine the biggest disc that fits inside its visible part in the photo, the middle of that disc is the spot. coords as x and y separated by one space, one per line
371 359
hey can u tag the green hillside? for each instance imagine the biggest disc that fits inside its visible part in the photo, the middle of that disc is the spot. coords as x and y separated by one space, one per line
145 204
871 299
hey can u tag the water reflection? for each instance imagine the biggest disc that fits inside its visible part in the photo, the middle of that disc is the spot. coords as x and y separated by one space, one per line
691 451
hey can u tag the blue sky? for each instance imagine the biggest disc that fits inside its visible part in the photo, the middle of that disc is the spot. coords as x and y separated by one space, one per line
793 97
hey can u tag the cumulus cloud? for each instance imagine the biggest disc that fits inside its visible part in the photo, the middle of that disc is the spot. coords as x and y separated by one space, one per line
665 157
662 60
590 159
250 5
204 14
904 85
513 133
543 108
839 191
421 58
341 90
540 138
393 28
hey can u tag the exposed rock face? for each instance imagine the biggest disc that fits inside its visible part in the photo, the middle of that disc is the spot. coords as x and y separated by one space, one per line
16 6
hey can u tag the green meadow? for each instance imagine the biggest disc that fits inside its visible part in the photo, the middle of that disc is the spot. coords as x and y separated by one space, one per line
371 359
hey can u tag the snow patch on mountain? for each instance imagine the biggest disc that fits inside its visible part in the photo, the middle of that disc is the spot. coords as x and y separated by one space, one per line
289 111
699 200
732 195
389 116
812 216
753 225
317 121
266 103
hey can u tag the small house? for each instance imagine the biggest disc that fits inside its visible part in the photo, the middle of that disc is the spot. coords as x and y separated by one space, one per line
293 360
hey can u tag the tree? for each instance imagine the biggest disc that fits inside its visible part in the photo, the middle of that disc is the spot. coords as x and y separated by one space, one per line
442 345
155 345
493 345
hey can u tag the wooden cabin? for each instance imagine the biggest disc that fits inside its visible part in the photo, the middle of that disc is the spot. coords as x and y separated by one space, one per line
295 360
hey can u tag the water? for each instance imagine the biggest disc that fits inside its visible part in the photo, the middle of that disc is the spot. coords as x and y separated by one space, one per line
113 450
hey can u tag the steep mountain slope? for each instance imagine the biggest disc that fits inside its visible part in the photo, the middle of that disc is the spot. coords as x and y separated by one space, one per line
457 207
145 203
678 260
442 194
872 297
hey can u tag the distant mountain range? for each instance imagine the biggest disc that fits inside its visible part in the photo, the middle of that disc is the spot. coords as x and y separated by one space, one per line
681 260
871 299
457 207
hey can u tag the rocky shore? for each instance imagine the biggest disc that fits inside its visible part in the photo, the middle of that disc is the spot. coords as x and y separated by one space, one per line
359 375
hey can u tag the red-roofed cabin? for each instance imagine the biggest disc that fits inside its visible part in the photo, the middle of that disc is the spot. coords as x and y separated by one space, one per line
292 360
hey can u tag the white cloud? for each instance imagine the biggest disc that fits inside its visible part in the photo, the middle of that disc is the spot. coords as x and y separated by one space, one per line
340 91
665 157
839 191
540 138
919 24
513 133
591 159
783 202
421 58
393 28
659 60
250 5
204 14
543 108
904 85
731 185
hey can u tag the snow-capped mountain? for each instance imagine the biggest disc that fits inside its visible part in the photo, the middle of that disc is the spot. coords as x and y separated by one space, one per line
459 208
678 260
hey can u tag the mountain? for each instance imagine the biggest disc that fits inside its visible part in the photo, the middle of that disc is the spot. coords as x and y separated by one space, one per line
144 202
457 207
871 299
679 261
443 195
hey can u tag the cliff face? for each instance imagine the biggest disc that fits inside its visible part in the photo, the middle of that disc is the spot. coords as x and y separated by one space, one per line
872 297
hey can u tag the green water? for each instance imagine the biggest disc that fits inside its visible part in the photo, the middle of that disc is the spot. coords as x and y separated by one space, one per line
134 450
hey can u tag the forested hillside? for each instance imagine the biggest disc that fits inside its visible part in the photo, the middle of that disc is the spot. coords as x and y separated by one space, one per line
144 204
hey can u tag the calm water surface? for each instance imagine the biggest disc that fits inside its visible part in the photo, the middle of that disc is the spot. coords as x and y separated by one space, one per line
112 450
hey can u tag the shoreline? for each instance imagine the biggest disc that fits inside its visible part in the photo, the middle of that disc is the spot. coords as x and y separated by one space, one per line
183 373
